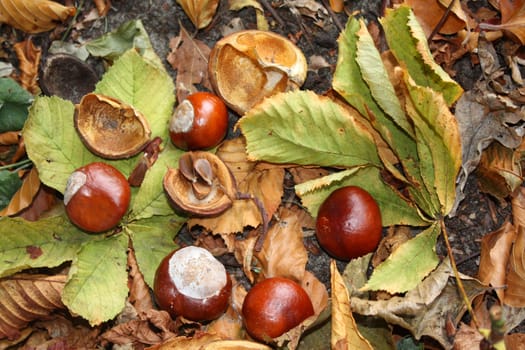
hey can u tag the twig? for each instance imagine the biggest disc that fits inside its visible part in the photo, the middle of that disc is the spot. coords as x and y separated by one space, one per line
456 273
333 15
441 21
274 13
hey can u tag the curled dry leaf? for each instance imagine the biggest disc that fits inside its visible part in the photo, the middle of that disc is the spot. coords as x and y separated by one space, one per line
345 334
495 252
515 292
151 327
247 66
103 7
139 292
25 194
283 253
34 16
29 60
111 128
28 297
200 12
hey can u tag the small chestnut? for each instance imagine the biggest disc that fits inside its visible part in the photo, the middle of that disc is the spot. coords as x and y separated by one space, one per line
190 282
274 306
96 197
348 223
199 122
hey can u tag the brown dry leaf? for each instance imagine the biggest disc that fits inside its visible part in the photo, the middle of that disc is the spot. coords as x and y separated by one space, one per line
499 171
302 174
228 326
515 341
139 292
196 342
25 194
43 204
103 7
34 16
151 327
515 292
243 250
495 252
9 138
200 12
513 18
345 334
283 253
29 60
189 57
430 12
467 338
26 298
395 236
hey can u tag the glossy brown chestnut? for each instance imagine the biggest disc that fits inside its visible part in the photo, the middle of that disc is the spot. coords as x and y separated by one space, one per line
349 223
97 196
199 122
274 306
191 283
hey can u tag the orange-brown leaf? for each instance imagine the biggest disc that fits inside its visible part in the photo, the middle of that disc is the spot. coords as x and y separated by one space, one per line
345 334
513 18
430 12
25 194
26 298
34 16
29 57
139 292
103 7
495 252
515 292
283 253
9 138
200 12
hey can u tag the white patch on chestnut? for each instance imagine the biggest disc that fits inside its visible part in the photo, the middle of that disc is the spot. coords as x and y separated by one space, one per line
196 273
182 119
75 181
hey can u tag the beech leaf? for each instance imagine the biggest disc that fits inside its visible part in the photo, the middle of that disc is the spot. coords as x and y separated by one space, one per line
97 283
56 237
409 263
34 16
345 334
304 128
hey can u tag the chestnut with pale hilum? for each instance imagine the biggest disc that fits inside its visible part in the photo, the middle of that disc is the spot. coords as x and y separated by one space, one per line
199 122
96 197
190 282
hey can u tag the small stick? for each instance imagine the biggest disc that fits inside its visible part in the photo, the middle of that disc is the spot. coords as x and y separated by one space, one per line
441 21
274 13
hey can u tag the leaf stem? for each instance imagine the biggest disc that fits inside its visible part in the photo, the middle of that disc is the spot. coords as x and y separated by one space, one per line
456 273
18 165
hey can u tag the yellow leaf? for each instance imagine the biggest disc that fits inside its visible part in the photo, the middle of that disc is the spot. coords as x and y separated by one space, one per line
345 334
34 16
200 12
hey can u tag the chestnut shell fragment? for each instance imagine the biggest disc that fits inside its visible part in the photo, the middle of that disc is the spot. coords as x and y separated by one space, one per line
111 128
202 185
247 66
